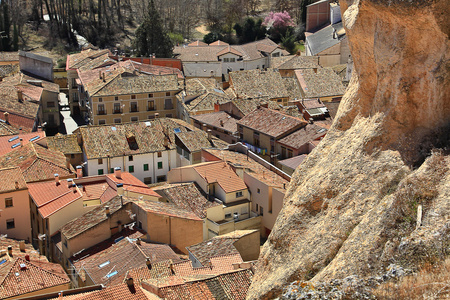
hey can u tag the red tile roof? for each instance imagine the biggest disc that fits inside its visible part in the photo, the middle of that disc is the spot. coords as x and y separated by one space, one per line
50 197
219 43
221 120
221 173
17 121
126 179
11 180
293 162
306 134
197 43
7 142
26 277
117 292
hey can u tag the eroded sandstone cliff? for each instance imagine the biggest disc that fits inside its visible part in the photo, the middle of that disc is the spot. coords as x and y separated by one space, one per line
351 208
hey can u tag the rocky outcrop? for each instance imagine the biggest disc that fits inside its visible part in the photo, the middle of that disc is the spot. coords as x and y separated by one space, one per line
351 207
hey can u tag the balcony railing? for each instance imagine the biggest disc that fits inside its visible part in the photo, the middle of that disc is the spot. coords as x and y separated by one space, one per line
151 108
117 111
134 109
101 112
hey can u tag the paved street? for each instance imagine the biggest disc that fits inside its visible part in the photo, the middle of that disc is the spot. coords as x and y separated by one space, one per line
68 124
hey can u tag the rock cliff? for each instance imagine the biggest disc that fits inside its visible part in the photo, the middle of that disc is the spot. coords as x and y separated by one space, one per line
352 206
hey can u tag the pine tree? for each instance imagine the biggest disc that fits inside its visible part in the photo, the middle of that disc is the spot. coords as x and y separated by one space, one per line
151 36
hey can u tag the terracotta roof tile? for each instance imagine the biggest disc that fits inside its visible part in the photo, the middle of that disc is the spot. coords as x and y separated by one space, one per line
293 162
219 119
12 180
9 100
324 83
300 62
79 59
9 70
195 140
221 173
306 134
67 144
26 277
219 43
18 121
206 101
197 43
8 143
167 209
9 56
117 292
263 119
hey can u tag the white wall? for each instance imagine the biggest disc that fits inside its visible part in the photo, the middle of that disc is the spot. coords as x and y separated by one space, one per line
202 69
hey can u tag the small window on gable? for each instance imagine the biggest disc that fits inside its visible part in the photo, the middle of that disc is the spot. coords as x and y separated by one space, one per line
239 194
167 93
133 96
116 98
150 95
100 99
259 191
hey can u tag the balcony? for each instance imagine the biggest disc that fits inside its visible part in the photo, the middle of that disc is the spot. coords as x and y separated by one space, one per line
168 106
151 108
101 112
134 109
117 111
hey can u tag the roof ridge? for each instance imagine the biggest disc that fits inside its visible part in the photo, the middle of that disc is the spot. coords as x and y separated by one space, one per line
57 197
102 87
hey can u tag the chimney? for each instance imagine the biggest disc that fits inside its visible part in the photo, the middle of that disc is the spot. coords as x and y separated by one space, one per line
57 179
315 70
27 257
67 163
171 269
74 187
121 201
138 241
20 96
156 115
79 172
103 77
148 263
166 142
69 183
10 250
209 134
119 189
221 123
21 142
99 74
216 107
130 282
22 246
6 114
79 140
118 172
17 185
107 212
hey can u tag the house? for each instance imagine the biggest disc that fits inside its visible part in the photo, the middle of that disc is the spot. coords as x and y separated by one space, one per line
233 285
219 181
217 59
257 84
329 43
36 65
12 140
94 265
260 177
257 131
25 273
37 163
288 64
14 205
322 83
189 145
69 144
299 142
222 125
289 165
246 243
145 149
313 109
317 15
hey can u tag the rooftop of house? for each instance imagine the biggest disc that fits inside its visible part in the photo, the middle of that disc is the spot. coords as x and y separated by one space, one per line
117 292
298 62
9 56
51 196
197 140
262 120
167 209
77 60
232 285
292 88
322 82
10 142
325 38
12 180
332 108
198 86
27 107
108 266
66 143
16 122
293 162
221 173
258 83
37 163
9 70
93 217
217 246
197 43
143 137
239 160
220 119
32 82
306 134
25 277
206 101
187 196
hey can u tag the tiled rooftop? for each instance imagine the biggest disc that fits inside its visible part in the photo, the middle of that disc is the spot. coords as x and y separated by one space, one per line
117 292
221 173
195 140
293 162
26 277
67 144
9 56
103 140
292 87
258 83
17 122
11 180
50 196
9 100
306 134
219 119
246 106
197 43
37 163
206 101
322 83
167 209
84 57
252 167
187 196
122 256
198 86
8 143
8 70
217 246
262 120
300 62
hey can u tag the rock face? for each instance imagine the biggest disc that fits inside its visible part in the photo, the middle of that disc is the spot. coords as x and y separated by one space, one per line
351 207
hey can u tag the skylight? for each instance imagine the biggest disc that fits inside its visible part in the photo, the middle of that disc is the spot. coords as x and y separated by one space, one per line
2 261
177 130
111 274
113 128
104 264
34 138
15 145
13 139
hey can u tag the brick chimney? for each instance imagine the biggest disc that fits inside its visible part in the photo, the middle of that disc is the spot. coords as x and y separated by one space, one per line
57 179
209 134
22 246
79 172
17 185
69 183
118 172
6 114
216 107
156 115
20 95
10 250
107 211
119 189
221 123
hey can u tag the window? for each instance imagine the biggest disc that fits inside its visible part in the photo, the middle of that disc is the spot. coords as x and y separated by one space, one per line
100 172
111 170
116 98
151 117
150 95
168 104
10 224
160 165
145 167
101 109
258 191
272 148
134 107
9 202
290 154
130 157
283 152
150 105
276 54
118 121
159 154
257 207
161 178
131 169
261 211
238 194
100 161
227 216
229 59
101 122
100 99
134 119
167 93
72 155
51 104
117 109
133 96
147 180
